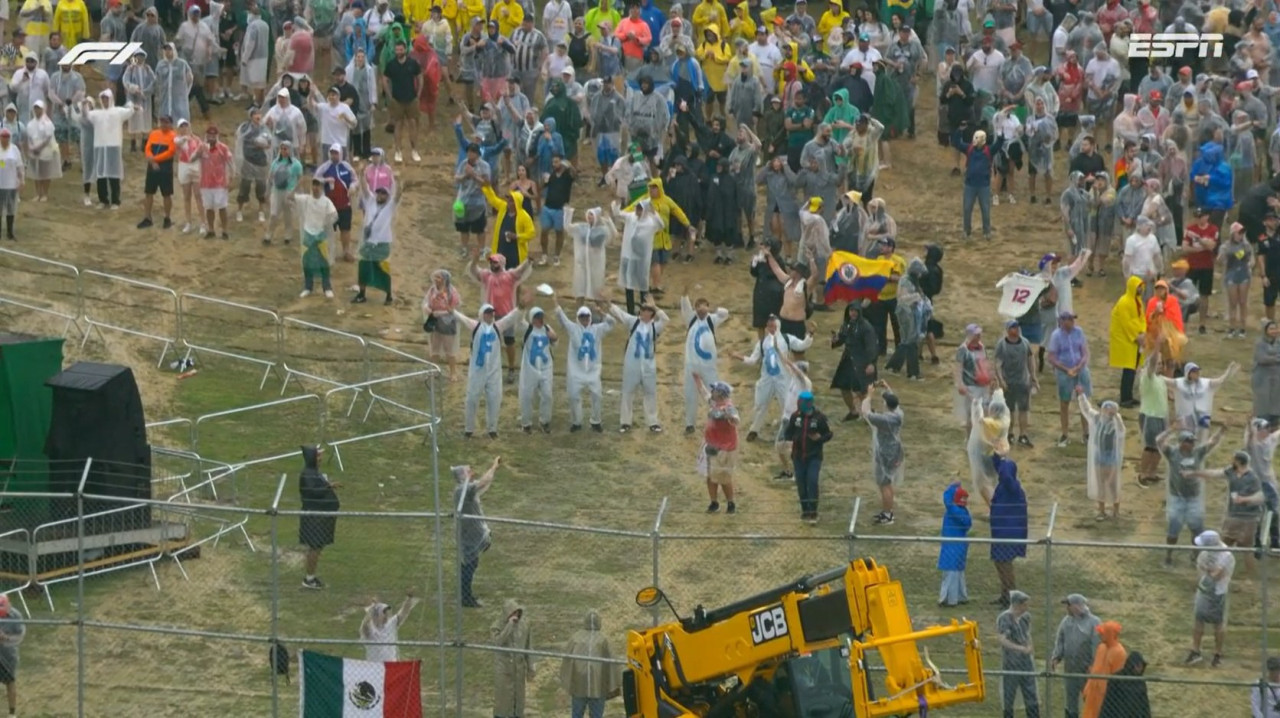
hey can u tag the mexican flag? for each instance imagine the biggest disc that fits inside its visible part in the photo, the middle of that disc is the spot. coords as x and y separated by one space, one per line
334 687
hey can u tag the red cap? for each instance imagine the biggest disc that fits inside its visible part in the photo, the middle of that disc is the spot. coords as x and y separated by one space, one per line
1155 95
960 497
1185 71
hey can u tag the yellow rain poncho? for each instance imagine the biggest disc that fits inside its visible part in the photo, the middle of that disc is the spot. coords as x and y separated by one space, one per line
1128 322
666 209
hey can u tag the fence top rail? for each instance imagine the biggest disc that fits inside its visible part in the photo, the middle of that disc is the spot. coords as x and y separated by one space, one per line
169 504
235 305
131 281
1148 546
14 253
168 422
263 405
374 382
878 538
133 505
322 328
751 537
402 353
561 527
368 514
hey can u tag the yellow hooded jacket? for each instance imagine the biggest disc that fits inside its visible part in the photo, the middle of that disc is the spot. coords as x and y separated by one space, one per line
71 19
508 14
714 56
666 209
1128 321
741 26
449 10
467 12
802 69
417 12
705 14
829 21
525 230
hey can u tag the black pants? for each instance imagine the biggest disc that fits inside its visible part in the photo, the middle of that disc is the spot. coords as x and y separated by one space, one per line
867 193
361 144
1174 204
197 93
631 300
908 354
1218 217
109 190
881 314
1126 384
468 575
793 157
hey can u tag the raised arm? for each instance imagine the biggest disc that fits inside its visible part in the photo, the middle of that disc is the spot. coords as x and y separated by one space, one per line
466 321
1232 368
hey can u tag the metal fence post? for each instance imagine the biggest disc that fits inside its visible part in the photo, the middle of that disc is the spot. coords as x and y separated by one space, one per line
458 639
275 590
1049 631
80 616
657 540
853 523
439 539
1263 578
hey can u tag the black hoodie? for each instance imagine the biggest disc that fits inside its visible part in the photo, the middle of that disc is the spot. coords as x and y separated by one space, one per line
317 494
1127 699
931 282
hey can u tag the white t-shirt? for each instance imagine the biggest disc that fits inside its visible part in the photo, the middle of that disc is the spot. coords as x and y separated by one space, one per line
767 58
984 68
1058 56
1141 252
1210 560
1009 127
867 59
1099 72
332 129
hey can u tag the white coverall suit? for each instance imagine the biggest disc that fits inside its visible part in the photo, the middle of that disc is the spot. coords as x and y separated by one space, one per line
639 368
537 370
774 379
484 368
584 363
699 354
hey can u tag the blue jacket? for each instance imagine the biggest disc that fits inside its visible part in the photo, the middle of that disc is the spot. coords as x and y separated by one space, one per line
955 524
654 18
489 153
548 147
1210 162
364 42
977 168
1008 511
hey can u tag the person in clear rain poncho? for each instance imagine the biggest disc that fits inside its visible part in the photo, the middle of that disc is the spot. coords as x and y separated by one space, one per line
589 683
254 49
718 455
1193 397
771 353
700 352
173 83
914 311
989 433
583 363
590 240
139 82
639 369
886 447
253 151
640 225
1106 454
1075 205
108 123
484 369
1041 135
537 371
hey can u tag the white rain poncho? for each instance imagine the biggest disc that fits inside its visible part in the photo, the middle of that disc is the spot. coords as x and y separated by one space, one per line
1193 400
173 89
139 82
886 444
700 353
1106 449
590 239
639 366
990 433
484 367
771 353
380 637
582 369
80 117
638 232
253 52
537 370
66 88
108 135
253 151
29 86
365 80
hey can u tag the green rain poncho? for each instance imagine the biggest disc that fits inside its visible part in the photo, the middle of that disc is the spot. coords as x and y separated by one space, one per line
389 36
840 111
890 106
567 116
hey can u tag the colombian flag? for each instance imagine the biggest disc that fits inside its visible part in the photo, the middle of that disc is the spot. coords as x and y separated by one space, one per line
851 277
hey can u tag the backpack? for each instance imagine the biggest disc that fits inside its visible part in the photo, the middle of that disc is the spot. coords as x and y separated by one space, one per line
632 333
710 325
278 658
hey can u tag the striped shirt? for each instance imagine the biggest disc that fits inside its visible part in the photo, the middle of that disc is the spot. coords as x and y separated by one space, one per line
531 47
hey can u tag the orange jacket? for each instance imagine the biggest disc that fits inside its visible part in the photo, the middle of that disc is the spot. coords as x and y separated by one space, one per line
1107 659
160 145
1172 310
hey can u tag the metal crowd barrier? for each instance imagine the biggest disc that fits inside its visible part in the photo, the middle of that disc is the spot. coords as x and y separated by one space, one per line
70 317
97 324
194 347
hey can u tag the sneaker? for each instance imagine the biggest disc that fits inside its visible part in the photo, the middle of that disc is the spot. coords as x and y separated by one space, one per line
467 434
655 429
1011 199
688 258
305 293
208 235
731 508
1217 657
186 227
262 218
1062 441
88 202
1193 657
359 299
416 157
399 158
313 583
145 223
752 436
388 301
527 429
624 428
493 434
713 507
167 223
955 171
328 294
472 603
1202 331
555 261
239 216
226 236
995 200
987 236
813 519
542 261
884 518
597 428
1024 441
851 416
546 428
575 428
717 260
784 476
688 430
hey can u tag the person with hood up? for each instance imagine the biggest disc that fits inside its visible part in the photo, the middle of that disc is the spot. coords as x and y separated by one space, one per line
537 371
931 286
380 629
318 497
1013 632
1105 455
988 432
913 312
1075 205
647 115
862 148
713 55
973 375
887 456
604 11
639 368
1041 136
588 682
567 116
439 301
584 362
107 122
607 110
782 210
808 431
484 372
1128 698
856 372
513 228
841 117
771 352
745 96
1128 325
590 239
1193 396
640 225
685 189
1107 659
953 555
1008 521
512 668
723 211
1211 180
665 209
700 351
1074 646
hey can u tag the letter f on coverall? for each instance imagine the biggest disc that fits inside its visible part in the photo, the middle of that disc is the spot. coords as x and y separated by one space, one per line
584 363
639 368
774 379
537 369
699 354
484 369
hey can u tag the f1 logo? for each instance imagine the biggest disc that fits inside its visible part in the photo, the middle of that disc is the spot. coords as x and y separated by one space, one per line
768 624
118 53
